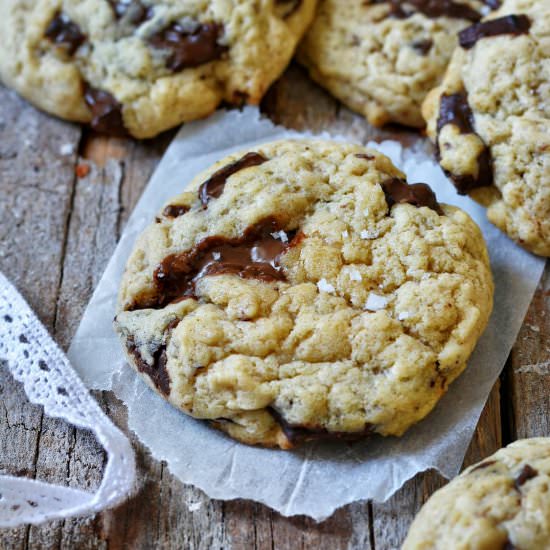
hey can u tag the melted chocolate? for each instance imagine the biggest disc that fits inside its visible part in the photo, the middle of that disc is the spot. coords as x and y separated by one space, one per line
509 24
189 48
483 465
63 32
431 8
106 112
300 434
526 473
212 188
454 109
136 12
175 210
398 191
423 46
255 255
157 371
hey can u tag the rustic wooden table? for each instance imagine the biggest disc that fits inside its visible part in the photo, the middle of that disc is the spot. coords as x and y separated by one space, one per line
57 232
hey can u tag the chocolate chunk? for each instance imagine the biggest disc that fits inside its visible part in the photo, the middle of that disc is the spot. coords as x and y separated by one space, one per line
493 4
106 112
212 188
299 434
525 474
483 465
255 255
423 46
156 371
430 8
133 10
365 156
189 48
63 32
508 545
398 191
454 109
509 24
175 210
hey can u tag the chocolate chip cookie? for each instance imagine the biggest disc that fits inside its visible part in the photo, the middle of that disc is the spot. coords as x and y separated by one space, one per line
501 503
382 57
304 290
139 67
490 120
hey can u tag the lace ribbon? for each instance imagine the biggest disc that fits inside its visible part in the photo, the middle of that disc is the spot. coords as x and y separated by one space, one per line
49 380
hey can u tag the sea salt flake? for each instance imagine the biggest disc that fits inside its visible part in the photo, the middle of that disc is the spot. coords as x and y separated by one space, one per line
354 275
280 235
403 315
324 286
345 234
66 149
366 234
366 212
217 256
376 302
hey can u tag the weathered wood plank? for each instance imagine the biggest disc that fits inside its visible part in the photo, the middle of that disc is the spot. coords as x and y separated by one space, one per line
36 185
528 377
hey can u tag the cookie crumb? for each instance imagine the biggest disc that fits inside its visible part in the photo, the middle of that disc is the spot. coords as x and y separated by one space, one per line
376 302
82 170
323 286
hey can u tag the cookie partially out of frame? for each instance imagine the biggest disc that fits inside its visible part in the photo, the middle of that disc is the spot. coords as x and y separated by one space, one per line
304 290
490 120
502 503
381 57
139 67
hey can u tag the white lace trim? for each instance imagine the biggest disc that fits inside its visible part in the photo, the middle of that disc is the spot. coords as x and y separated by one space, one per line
49 380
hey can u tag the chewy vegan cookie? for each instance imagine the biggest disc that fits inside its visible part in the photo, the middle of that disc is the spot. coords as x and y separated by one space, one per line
304 290
139 67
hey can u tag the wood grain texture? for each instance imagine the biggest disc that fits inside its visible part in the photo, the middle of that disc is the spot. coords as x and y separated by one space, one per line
57 233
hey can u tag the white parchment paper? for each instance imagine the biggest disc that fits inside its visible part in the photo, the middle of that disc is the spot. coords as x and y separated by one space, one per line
320 477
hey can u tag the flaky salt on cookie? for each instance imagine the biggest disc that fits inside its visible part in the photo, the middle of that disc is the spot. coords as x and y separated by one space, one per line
304 290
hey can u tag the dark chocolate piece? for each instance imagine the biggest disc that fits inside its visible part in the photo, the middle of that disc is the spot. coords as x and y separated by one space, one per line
398 191
255 255
175 210
525 474
106 112
509 24
63 32
157 371
508 545
430 8
454 109
189 48
300 434
423 46
134 10
365 156
493 4
212 188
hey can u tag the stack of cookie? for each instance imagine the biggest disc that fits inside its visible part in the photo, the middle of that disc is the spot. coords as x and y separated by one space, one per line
304 289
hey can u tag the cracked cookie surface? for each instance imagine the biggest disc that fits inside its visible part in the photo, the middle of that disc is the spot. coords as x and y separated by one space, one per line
503 502
381 58
304 290
490 116
139 67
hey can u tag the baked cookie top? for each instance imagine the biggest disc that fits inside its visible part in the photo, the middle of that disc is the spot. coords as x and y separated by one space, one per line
381 57
304 290
142 66
490 120
501 503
